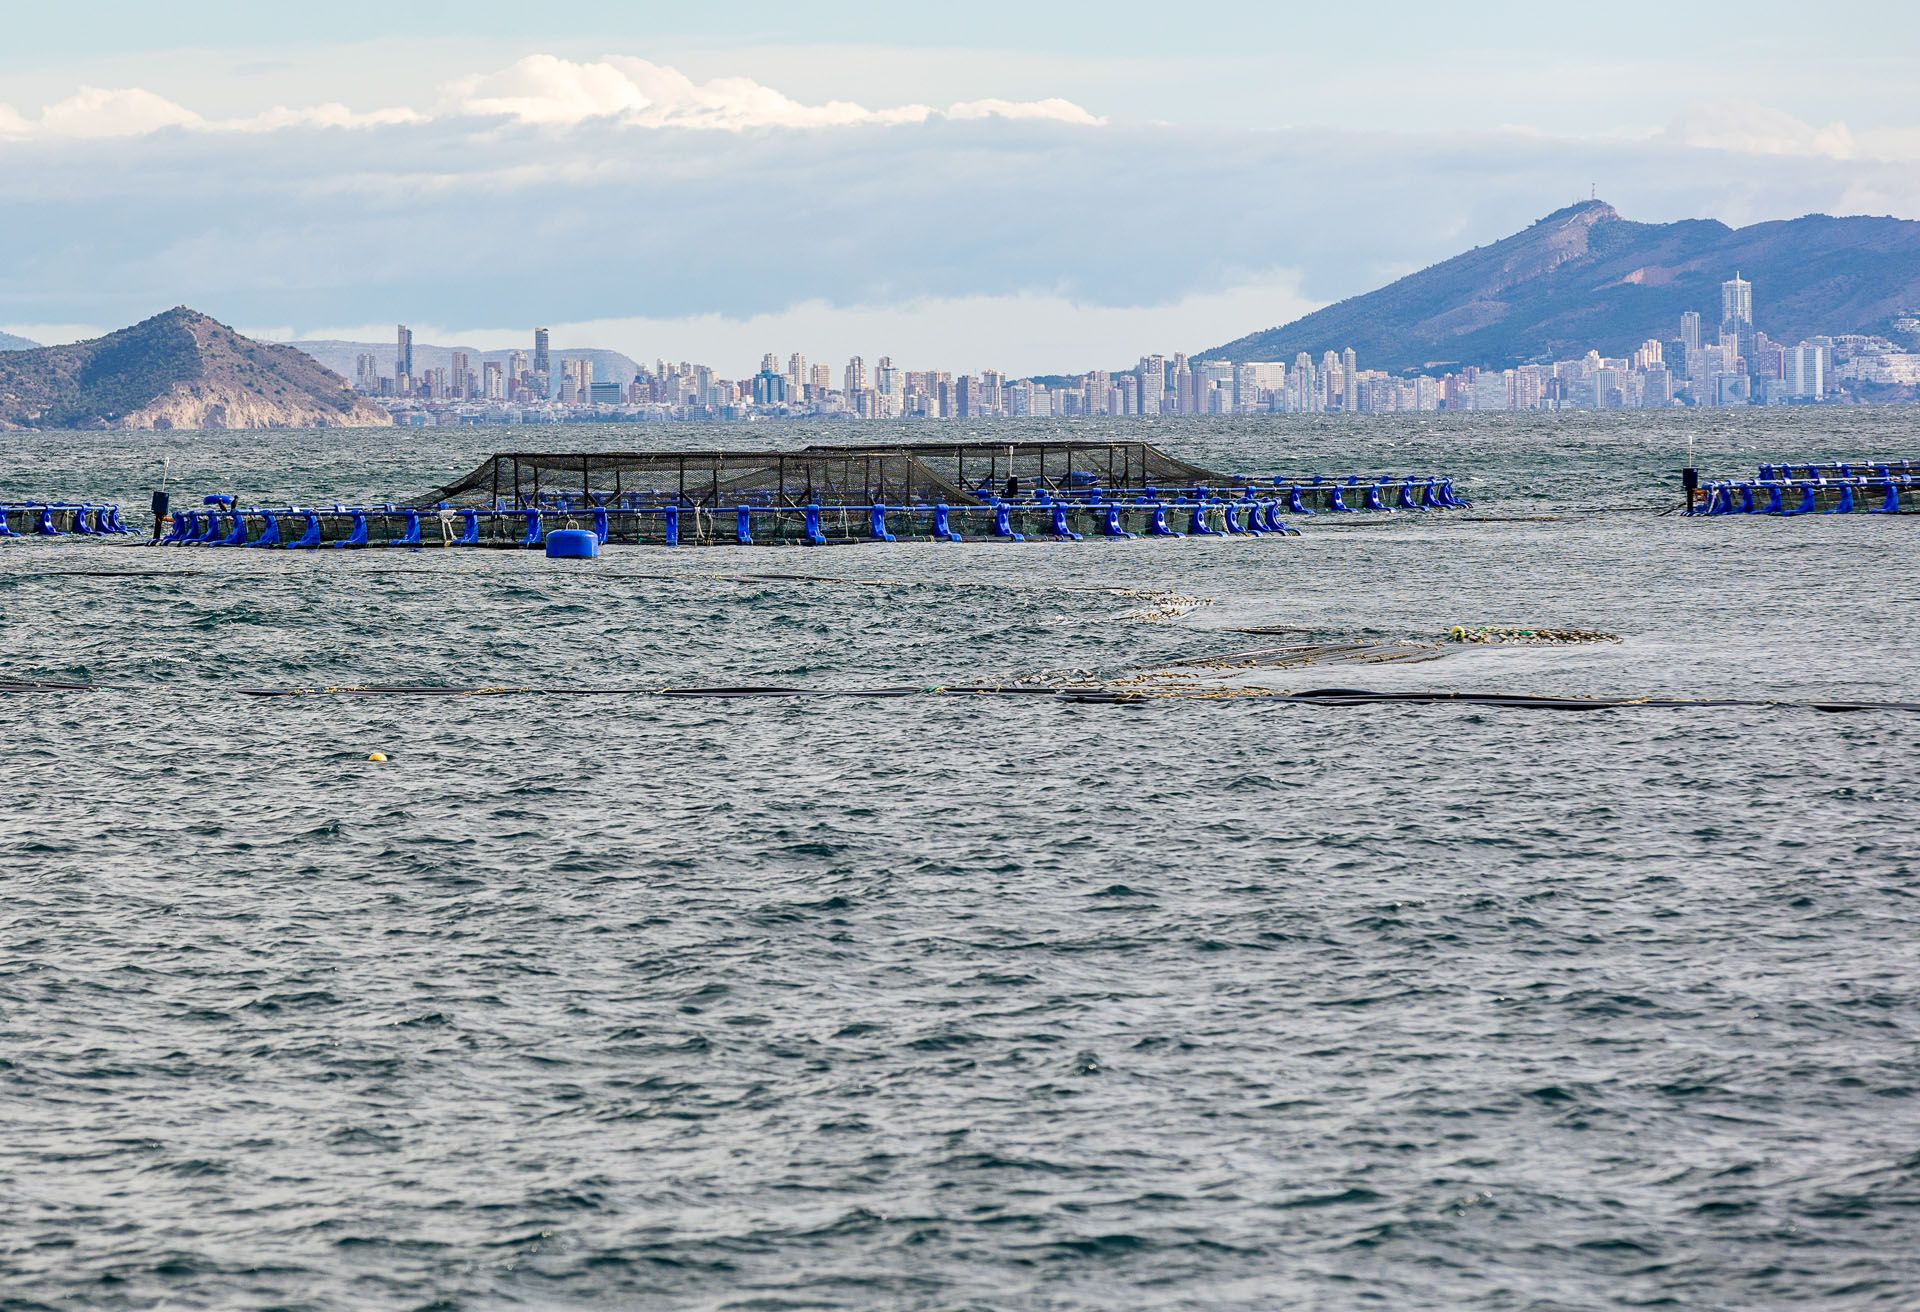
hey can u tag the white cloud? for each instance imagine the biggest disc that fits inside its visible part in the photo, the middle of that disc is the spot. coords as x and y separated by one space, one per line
538 90
1757 130
56 334
321 116
1061 111
548 90
94 112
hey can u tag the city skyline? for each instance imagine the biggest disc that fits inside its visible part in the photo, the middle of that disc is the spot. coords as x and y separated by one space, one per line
1738 365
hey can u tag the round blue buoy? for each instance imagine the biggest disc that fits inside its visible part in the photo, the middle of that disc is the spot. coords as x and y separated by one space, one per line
572 544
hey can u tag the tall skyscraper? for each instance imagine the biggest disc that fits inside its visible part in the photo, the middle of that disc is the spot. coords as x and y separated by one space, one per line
856 377
1736 315
796 373
403 355
1183 398
1690 330
1153 382
1736 301
1349 380
542 355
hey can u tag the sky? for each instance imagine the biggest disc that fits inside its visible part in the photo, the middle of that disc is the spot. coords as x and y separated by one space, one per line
1034 188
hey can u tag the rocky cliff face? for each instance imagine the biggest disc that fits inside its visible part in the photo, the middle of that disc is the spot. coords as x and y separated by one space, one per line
176 370
1585 278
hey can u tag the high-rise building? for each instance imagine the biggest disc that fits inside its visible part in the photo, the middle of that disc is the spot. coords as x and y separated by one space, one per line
1736 314
1349 380
1182 385
1246 388
993 385
1153 383
1690 329
1807 371
822 380
1329 380
1097 385
1736 300
542 355
403 354
796 374
856 377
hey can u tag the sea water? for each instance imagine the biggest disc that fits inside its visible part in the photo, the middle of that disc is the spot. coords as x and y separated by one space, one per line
945 1002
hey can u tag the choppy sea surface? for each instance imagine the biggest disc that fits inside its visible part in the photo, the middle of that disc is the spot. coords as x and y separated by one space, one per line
966 1003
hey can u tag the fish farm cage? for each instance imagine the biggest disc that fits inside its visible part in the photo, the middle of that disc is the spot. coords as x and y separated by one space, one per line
53 519
962 474
1884 487
823 495
956 474
819 495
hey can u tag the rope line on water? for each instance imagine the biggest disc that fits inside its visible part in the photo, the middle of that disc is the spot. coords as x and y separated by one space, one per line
1079 694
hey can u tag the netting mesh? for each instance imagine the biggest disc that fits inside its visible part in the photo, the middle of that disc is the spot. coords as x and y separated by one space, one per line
986 466
955 473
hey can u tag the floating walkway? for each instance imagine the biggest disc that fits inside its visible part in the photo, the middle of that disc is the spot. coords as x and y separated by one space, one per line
1887 487
53 519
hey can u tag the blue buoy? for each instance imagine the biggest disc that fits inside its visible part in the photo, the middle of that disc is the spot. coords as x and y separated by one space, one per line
572 544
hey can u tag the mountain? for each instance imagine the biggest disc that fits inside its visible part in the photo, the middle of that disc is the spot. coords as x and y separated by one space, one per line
8 342
176 370
608 366
1583 278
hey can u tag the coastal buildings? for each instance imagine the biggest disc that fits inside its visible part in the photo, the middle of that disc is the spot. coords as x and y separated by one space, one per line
1739 365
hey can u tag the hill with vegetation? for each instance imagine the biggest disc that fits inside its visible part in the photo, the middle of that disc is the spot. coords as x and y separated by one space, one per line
1583 278
8 342
176 370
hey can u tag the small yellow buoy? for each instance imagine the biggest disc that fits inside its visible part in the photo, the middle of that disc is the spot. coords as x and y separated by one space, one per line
377 756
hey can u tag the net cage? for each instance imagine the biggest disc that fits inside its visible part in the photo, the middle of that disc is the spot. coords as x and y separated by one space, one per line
956 474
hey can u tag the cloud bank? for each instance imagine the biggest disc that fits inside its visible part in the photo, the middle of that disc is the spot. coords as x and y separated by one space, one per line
539 89
618 196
